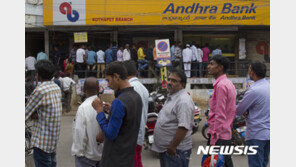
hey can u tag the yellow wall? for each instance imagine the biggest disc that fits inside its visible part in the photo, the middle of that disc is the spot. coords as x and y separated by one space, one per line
153 12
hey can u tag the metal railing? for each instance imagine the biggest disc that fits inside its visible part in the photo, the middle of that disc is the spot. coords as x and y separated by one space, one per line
236 69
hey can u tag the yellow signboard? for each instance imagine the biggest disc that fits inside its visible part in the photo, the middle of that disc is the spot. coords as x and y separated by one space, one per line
80 37
156 12
164 77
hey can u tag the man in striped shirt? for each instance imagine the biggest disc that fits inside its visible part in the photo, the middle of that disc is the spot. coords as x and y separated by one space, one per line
44 105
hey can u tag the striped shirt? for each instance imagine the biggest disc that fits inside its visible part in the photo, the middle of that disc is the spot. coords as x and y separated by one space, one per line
46 100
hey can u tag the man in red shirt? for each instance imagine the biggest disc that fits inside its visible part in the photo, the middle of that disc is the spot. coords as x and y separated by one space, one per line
222 106
205 58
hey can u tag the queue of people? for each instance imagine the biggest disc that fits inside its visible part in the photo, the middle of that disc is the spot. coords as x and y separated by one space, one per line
109 135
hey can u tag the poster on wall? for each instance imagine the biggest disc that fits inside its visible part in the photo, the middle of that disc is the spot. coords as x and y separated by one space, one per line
80 37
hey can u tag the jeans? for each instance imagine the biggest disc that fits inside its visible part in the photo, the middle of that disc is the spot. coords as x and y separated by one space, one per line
43 159
204 68
68 94
261 159
194 68
80 70
181 159
142 64
85 162
221 142
200 69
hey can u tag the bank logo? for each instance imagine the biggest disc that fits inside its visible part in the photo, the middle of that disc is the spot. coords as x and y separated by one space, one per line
66 9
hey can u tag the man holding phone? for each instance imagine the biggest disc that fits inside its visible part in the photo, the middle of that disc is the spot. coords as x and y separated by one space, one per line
122 126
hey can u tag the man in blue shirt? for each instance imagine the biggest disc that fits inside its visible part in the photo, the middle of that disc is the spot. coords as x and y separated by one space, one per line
217 51
256 106
114 50
109 55
122 126
91 61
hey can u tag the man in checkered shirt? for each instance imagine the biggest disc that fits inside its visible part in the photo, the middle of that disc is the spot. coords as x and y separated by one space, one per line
45 108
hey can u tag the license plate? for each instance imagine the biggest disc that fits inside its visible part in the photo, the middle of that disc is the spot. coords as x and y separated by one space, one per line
151 139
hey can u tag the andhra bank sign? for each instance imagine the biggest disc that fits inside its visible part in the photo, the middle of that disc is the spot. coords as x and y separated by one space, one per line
156 12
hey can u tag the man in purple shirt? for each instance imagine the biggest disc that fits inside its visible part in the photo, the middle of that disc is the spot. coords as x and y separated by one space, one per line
256 105
222 106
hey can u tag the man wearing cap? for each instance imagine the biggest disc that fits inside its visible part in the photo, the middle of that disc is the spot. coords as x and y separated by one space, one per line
187 58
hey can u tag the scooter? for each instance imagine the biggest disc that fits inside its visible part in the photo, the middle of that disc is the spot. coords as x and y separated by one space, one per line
238 130
155 103
205 128
197 119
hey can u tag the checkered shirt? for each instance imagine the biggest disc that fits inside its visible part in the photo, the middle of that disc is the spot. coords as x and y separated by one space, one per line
46 100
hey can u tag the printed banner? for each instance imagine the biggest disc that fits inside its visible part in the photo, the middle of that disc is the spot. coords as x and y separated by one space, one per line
80 37
164 78
155 12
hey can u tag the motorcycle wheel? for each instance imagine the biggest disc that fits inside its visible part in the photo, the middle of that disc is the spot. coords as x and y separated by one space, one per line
204 132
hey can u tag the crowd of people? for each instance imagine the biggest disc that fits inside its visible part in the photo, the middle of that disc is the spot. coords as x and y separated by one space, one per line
109 135
84 61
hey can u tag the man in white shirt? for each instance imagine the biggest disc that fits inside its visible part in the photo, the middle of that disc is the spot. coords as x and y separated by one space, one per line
194 60
67 83
30 66
81 61
199 59
120 54
143 92
187 57
100 63
85 148
126 53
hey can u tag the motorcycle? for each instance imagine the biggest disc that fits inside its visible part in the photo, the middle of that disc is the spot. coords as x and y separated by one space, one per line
238 125
197 119
239 131
155 103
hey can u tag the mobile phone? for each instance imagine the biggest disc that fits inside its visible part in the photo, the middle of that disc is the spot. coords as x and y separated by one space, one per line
100 92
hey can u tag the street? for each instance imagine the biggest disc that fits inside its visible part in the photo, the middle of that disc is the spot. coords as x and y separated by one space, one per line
65 159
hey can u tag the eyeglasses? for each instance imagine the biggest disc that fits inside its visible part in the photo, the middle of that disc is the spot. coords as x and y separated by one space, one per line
173 80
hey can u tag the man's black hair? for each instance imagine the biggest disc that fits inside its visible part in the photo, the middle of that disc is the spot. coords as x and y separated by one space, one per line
221 60
118 68
193 43
181 75
45 69
259 68
57 74
114 43
131 68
